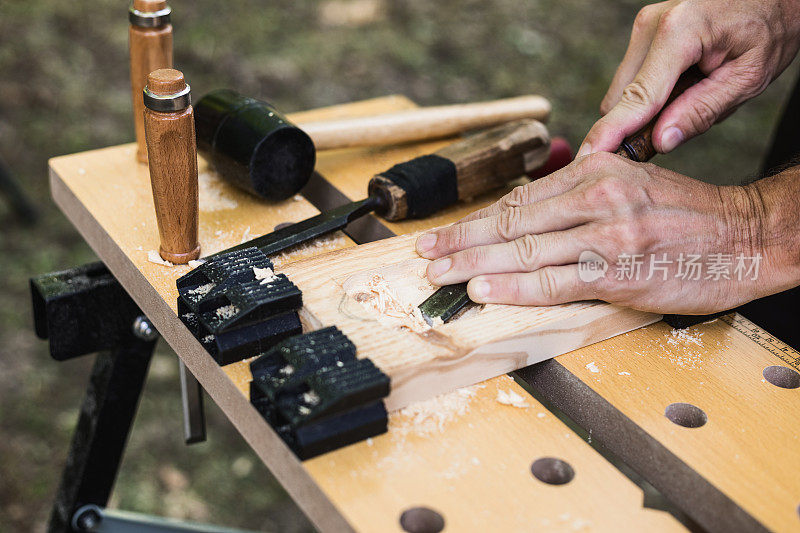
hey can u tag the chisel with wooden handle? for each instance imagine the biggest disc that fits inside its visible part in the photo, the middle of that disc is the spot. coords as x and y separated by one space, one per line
449 300
424 185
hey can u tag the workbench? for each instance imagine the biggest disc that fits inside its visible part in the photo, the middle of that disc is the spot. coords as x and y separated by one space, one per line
466 457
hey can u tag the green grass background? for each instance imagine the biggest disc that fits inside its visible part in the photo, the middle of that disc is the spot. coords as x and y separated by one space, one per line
64 88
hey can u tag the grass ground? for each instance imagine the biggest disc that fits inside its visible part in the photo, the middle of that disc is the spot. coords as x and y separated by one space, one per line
64 88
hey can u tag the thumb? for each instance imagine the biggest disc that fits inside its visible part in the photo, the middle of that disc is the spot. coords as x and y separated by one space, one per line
641 100
707 102
674 49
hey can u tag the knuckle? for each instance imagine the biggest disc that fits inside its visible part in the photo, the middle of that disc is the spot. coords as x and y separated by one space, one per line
671 21
455 238
472 259
638 94
594 163
644 19
705 114
508 222
527 251
516 197
548 284
608 190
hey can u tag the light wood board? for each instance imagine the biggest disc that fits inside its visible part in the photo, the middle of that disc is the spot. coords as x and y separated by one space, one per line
749 450
106 195
668 368
338 289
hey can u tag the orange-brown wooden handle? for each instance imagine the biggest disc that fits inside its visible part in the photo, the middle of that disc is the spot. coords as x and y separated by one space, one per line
639 146
150 49
172 154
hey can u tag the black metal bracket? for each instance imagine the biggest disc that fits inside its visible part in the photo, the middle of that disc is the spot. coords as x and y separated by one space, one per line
84 310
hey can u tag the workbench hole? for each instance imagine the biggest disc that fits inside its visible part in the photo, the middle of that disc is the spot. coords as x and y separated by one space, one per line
781 376
421 520
686 415
552 471
283 225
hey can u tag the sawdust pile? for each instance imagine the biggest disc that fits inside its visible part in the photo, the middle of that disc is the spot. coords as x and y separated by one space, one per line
431 416
213 196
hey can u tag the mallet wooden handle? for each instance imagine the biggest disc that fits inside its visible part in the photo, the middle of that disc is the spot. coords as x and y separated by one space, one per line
150 40
465 169
639 146
424 123
172 154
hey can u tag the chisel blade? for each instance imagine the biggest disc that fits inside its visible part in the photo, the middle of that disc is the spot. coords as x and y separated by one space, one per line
445 303
309 229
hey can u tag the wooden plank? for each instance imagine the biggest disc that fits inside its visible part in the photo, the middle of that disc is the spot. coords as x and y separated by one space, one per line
106 196
343 288
743 461
668 369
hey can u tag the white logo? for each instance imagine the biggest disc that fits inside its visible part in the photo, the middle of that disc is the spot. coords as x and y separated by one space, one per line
591 266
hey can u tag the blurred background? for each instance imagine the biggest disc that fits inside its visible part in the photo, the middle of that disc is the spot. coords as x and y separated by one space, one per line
64 88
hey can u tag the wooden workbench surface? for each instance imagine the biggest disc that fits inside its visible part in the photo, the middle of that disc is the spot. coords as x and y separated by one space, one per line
465 456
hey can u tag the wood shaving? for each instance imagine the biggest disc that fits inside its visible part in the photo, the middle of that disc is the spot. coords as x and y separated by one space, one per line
194 263
624 373
266 275
227 311
153 257
202 290
379 297
511 398
325 244
592 367
246 236
213 196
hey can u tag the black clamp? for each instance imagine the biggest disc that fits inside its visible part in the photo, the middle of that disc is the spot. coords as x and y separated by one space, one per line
317 395
237 307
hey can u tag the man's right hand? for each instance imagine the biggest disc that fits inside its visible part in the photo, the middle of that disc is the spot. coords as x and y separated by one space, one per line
741 45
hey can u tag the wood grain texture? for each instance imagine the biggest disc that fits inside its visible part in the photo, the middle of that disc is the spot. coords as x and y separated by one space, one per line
338 289
421 124
106 195
172 156
150 49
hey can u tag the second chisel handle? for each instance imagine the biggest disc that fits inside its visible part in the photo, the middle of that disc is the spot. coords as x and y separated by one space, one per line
462 170
639 146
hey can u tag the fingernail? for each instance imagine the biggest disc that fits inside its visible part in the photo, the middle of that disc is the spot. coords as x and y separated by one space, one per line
671 138
440 267
426 242
479 289
585 149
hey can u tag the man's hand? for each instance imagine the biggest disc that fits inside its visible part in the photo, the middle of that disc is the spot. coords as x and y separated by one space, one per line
741 45
526 248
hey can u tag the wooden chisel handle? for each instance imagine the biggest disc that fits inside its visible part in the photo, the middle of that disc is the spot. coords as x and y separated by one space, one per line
424 123
482 162
639 146
150 41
